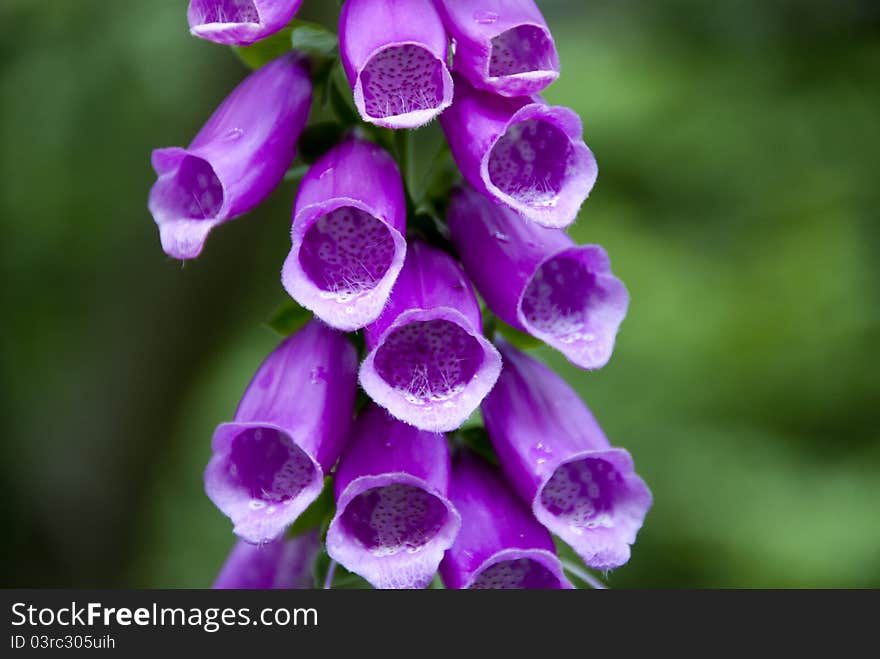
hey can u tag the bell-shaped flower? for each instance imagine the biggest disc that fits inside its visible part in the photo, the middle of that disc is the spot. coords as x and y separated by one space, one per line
500 545
557 458
537 280
394 53
285 563
269 463
428 361
521 152
239 22
503 46
348 235
235 161
393 521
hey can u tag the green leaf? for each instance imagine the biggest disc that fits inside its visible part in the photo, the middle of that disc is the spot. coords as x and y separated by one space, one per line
265 50
296 172
519 339
349 580
314 40
288 318
318 514
578 573
341 578
477 439
341 102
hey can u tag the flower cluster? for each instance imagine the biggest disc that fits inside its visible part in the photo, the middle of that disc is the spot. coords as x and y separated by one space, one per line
395 305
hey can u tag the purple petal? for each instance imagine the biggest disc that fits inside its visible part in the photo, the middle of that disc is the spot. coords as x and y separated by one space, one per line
235 161
558 459
284 563
290 427
394 53
537 280
522 153
348 226
428 363
500 544
393 521
239 22
502 46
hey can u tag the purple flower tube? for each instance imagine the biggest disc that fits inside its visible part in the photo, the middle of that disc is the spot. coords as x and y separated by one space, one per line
282 564
537 280
503 46
348 228
235 161
239 22
558 459
394 54
393 521
289 429
521 152
428 362
500 545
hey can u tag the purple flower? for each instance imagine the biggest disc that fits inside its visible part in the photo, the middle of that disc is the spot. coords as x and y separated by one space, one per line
348 226
521 152
500 544
394 53
393 521
291 424
239 22
283 563
428 362
557 458
235 161
503 46
537 280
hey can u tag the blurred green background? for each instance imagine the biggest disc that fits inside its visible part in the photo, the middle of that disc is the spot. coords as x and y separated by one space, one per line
738 197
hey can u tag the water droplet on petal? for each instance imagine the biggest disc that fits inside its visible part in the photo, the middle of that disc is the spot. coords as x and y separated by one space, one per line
317 374
484 17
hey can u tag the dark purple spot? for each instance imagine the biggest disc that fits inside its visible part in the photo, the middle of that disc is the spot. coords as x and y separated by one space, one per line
390 519
582 493
562 298
269 465
195 192
346 252
402 79
523 573
519 50
530 161
429 360
226 11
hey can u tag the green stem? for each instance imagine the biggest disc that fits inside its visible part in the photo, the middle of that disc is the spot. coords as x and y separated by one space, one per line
403 144
583 575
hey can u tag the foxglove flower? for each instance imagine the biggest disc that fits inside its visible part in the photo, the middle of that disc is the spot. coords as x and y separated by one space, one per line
393 521
348 228
537 280
428 362
394 53
239 22
503 46
282 564
291 424
235 161
521 152
500 544
557 458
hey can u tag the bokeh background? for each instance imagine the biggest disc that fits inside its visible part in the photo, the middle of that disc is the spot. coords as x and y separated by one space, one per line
738 197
